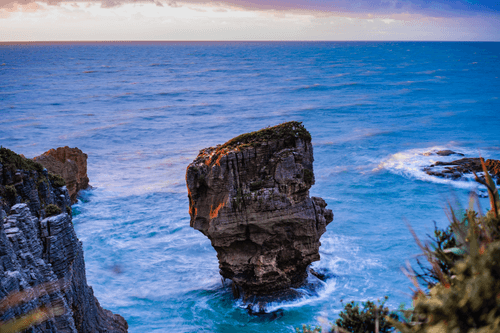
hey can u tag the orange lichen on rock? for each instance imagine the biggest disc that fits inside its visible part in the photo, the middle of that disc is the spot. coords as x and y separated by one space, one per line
217 162
215 212
193 209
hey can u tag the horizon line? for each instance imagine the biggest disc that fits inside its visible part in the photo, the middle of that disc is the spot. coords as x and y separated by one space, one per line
235 41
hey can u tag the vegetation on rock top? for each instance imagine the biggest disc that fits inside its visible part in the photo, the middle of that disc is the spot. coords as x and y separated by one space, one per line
23 180
52 210
287 132
12 161
57 180
291 129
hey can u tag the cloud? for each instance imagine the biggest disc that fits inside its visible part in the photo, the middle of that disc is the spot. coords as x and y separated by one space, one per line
434 8
146 21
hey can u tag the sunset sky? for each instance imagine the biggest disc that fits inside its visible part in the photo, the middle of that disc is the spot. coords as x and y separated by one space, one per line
441 20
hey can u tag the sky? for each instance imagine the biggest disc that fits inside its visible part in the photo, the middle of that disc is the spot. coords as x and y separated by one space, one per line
202 20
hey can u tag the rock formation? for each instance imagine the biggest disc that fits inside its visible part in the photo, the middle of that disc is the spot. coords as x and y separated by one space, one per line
41 260
70 164
465 166
250 197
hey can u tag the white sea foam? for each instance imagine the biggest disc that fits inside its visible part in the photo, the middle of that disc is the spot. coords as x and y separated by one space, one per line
341 258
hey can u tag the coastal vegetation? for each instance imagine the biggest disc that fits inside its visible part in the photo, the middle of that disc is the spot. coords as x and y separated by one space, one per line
23 180
458 289
12 162
464 285
370 318
52 210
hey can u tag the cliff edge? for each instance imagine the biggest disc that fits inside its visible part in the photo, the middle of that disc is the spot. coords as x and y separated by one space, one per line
42 269
250 197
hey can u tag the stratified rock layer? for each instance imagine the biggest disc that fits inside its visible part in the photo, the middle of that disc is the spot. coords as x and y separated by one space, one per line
250 197
41 259
70 164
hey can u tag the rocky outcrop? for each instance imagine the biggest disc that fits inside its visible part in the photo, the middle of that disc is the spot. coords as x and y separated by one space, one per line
465 166
250 197
70 164
42 269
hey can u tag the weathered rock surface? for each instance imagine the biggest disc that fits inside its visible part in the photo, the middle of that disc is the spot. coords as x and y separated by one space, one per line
41 259
70 164
465 166
250 197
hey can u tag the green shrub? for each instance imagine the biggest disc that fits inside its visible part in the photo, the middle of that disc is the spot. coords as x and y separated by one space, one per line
10 191
468 303
307 329
467 297
57 180
363 320
52 210
12 161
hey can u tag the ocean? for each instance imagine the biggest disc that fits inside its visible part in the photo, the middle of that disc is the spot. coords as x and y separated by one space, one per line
142 111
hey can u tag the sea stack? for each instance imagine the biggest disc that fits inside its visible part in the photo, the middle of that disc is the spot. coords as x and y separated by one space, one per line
70 164
250 197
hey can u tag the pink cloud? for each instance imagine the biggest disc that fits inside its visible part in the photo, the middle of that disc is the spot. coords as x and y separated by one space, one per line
435 8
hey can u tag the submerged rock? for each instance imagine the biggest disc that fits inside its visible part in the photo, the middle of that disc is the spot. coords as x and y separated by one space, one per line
43 268
250 197
447 153
70 164
465 166
442 153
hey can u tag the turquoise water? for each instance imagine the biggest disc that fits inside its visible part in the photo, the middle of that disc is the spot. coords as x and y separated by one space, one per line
143 111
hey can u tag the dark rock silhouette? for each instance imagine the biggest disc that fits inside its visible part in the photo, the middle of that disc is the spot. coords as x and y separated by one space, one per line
250 197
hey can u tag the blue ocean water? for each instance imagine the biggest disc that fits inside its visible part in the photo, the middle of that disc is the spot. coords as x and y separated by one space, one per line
142 111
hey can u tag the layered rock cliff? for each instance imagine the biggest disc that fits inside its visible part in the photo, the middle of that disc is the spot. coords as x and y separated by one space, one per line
250 197
41 260
70 164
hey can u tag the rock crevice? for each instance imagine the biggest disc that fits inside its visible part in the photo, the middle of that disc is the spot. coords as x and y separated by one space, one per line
250 197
